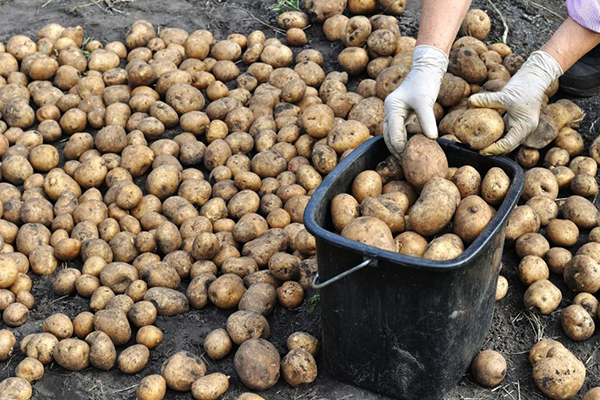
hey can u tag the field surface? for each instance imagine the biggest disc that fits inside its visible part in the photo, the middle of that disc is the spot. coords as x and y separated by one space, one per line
514 329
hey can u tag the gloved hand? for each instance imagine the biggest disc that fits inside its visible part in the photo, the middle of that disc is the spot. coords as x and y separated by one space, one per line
417 92
522 99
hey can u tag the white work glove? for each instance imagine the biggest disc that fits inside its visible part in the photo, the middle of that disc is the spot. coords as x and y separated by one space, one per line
522 99
417 92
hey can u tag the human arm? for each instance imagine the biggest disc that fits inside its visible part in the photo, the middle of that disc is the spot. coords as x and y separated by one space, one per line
440 21
523 95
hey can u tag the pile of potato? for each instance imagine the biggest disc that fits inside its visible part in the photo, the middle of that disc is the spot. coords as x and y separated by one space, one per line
169 172
422 207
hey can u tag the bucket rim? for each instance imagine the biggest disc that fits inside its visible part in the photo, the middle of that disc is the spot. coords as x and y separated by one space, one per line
369 252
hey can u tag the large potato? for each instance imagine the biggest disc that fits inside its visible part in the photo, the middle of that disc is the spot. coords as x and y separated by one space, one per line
559 374
257 364
181 370
422 160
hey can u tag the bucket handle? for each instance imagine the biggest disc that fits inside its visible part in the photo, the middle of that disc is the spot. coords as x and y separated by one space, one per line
344 274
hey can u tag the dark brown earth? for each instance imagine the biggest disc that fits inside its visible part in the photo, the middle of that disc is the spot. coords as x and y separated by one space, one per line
514 330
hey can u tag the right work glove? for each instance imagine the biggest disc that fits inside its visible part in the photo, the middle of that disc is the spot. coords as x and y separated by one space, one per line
522 99
418 92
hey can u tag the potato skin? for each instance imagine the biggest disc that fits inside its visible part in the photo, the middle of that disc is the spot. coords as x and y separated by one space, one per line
479 127
471 218
152 387
489 368
72 354
370 231
210 387
422 160
181 370
257 364
559 374
298 367
435 207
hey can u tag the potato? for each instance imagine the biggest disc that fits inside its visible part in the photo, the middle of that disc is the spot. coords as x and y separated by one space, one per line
245 325
577 323
59 325
168 301
227 291
544 207
210 387
465 62
83 324
7 343
584 185
562 232
298 367
102 350
41 347
445 247
370 231
114 323
152 387
16 388
150 336
30 369
428 216
592 394
217 344
72 354
521 220
257 364
531 269
479 127
181 370
422 160
532 244
558 373
557 258
494 186
542 296
471 218
133 359
489 368
411 243
501 288
476 23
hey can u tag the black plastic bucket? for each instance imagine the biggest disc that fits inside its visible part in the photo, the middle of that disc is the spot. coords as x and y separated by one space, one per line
403 326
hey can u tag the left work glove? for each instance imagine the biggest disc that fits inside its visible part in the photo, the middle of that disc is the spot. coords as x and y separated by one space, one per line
522 99
417 92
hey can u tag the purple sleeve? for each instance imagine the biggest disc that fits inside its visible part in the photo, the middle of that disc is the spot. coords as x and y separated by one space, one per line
586 13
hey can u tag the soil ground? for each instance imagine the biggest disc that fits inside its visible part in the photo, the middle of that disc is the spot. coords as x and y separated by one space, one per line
514 330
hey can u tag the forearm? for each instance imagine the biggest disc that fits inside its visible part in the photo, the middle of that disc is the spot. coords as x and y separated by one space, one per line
440 22
570 42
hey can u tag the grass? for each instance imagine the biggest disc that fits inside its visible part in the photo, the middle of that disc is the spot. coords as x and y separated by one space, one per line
314 301
282 6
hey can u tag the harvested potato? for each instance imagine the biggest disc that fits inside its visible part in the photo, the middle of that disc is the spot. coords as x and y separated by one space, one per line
556 371
298 367
210 387
542 296
72 354
489 368
152 387
577 323
531 269
471 217
479 127
257 364
217 344
16 388
133 359
532 244
562 232
181 370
